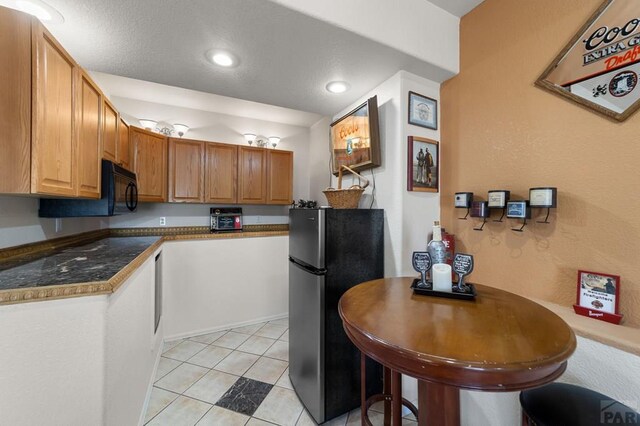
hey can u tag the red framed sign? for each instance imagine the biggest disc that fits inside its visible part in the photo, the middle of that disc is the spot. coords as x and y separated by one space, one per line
598 296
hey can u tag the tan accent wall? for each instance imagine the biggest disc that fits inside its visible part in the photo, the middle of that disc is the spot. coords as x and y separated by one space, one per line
501 132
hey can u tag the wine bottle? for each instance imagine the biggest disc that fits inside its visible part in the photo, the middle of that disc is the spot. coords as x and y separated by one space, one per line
436 248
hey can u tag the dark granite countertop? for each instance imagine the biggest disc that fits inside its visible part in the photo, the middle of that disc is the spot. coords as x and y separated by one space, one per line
93 262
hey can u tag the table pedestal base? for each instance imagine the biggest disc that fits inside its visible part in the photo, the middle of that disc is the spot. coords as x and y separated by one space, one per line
439 404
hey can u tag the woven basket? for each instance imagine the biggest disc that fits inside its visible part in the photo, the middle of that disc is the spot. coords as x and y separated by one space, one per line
345 198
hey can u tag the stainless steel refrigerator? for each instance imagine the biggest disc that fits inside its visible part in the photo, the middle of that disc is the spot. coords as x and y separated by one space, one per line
330 251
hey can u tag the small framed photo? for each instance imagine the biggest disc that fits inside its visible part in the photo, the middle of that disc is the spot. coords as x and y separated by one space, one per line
423 164
518 210
597 291
423 111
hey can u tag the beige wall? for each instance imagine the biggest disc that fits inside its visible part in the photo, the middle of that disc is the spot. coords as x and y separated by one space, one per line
501 132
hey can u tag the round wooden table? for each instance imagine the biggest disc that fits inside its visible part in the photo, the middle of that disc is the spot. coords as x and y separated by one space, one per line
499 342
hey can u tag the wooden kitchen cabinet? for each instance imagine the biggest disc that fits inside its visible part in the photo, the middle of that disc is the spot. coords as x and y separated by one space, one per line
15 102
89 123
252 175
124 148
186 171
110 121
54 140
280 177
149 151
221 175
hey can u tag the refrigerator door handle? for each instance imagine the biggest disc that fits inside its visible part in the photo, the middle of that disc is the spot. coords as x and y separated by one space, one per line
307 268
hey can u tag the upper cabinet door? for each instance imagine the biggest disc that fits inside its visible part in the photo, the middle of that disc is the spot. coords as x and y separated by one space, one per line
110 132
15 102
54 132
149 164
124 149
252 175
280 180
221 176
89 133
186 171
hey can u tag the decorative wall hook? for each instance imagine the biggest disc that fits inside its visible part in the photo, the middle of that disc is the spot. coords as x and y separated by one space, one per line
480 209
546 197
519 210
498 199
463 200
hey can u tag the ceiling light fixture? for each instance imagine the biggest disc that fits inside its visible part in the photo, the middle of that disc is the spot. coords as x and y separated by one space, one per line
181 129
274 140
165 129
337 86
148 124
222 58
40 10
261 141
249 137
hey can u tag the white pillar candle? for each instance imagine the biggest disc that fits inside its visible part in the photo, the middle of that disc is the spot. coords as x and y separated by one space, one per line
441 277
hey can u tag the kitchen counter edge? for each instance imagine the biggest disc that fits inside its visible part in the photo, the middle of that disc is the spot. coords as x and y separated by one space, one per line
64 291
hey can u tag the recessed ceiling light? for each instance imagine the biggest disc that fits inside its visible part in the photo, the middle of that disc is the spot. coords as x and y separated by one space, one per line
337 86
40 10
222 58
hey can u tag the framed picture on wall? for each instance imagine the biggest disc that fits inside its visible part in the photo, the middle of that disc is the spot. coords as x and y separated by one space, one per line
423 111
355 138
423 165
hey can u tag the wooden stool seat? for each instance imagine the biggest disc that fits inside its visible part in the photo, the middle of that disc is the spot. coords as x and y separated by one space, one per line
561 404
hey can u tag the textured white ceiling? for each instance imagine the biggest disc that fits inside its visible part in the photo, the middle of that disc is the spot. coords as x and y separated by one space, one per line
286 57
457 7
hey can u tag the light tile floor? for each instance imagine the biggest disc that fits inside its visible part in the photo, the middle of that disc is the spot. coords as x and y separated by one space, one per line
234 377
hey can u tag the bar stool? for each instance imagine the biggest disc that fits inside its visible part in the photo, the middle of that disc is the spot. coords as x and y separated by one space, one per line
561 404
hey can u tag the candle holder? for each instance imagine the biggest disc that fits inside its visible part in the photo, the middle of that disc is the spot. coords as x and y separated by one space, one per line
480 209
463 200
546 197
519 210
498 199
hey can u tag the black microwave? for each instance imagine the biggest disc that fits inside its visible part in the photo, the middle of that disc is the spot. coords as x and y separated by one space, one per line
119 196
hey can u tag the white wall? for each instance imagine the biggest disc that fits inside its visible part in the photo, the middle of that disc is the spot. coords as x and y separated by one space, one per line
20 224
215 284
408 216
81 361
131 346
148 214
420 209
52 357
415 27
595 366
319 160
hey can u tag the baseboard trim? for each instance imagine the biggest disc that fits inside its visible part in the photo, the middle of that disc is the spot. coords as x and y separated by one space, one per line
224 327
147 398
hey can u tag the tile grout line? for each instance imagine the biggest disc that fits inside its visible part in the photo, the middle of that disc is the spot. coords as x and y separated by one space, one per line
158 413
159 378
213 368
205 413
